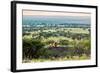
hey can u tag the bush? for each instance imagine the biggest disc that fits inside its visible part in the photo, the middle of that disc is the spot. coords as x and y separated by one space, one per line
64 42
31 48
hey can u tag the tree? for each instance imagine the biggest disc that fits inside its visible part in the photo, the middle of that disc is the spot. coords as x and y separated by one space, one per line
31 48
64 42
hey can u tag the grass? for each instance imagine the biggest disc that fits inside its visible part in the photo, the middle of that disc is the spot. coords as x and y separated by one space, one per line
83 57
56 38
73 30
77 30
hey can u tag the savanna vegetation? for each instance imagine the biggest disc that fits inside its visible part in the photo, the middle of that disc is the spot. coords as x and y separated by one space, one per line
56 44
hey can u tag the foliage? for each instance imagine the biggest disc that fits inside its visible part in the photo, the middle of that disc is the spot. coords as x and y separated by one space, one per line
64 44
31 48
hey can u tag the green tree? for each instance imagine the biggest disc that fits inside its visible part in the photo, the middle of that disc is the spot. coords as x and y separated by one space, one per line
64 42
31 48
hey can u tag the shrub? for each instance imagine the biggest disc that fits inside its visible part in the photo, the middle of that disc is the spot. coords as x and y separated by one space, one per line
31 48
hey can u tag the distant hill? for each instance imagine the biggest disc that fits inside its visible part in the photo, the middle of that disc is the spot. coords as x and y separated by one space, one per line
58 21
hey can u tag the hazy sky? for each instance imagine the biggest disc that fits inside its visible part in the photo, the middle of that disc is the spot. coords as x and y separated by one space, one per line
52 13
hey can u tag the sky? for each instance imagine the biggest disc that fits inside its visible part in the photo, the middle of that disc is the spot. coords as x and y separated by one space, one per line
53 13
